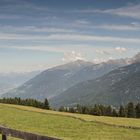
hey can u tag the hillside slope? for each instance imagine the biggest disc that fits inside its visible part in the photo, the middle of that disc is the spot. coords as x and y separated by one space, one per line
56 80
9 81
117 87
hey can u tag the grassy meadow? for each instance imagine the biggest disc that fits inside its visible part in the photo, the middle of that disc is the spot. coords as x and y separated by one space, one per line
68 126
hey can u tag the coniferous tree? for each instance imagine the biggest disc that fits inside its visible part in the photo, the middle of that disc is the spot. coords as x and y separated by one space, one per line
96 110
122 112
102 108
137 109
62 109
108 111
46 104
114 113
71 110
26 102
84 110
130 110
79 108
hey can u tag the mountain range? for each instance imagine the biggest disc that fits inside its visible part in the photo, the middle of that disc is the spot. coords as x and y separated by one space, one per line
54 81
84 83
118 87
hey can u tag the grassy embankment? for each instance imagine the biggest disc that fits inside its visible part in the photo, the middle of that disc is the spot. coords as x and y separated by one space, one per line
68 126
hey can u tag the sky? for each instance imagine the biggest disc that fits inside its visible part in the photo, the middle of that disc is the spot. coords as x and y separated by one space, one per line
39 34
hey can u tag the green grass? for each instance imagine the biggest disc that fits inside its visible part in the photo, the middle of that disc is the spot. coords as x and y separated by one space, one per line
68 126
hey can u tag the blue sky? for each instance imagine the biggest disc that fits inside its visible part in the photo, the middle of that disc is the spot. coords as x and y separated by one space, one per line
38 34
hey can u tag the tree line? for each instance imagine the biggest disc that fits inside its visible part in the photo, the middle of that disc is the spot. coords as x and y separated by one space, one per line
26 102
130 110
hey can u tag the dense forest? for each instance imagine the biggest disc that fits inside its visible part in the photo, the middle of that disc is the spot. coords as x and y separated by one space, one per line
26 102
129 111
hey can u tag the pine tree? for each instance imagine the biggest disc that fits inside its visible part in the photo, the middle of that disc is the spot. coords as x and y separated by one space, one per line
130 110
62 109
102 108
84 110
114 113
137 109
79 108
122 112
96 110
108 111
46 104
71 110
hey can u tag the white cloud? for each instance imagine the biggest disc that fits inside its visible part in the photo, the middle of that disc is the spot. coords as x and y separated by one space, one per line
120 49
81 37
81 22
69 37
128 11
131 27
102 52
54 48
135 24
98 60
132 11
72 56
85 24
9 28
16 5
69 53
39 48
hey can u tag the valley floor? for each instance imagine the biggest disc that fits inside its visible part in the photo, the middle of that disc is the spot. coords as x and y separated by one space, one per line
68 126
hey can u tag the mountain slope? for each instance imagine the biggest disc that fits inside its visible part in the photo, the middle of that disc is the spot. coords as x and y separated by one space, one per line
117 87
98 70
56 80
49 83
10 81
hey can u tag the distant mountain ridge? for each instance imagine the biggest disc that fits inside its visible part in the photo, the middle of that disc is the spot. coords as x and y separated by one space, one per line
54 81
120 86
9 81
49 83
81 82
